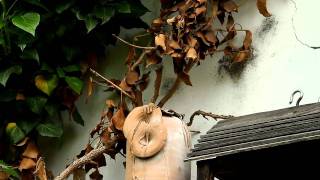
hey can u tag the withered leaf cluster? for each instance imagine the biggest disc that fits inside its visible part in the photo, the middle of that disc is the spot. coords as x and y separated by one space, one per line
187 31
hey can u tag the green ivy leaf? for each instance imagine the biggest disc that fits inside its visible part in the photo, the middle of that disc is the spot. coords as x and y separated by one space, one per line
64 5
60 72
31 54
46 67
2 40
72 68
1 23
76 116
103 13
8 169
137 8
14 133
49 130
123 7
4 75
27 22
76 84
36 104
27 125
90 22
52 109
46 85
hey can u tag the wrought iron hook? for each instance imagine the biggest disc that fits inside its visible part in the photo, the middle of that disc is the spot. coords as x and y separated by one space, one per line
299 99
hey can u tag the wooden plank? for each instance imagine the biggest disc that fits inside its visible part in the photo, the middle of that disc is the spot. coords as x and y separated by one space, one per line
253 129
273 132
265 143
262 117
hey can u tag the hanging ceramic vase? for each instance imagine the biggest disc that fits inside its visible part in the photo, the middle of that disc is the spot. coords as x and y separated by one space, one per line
156 145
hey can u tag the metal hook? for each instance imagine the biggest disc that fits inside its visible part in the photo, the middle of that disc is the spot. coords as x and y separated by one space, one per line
299 99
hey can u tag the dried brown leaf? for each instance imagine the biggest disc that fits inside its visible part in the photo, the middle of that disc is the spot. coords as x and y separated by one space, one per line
230 22
144 81
88 149
231 34
192 42
96 129
96 163
118 118
105 136
89 87
138 98
157 84
185 78
203 38
172 20
153 58
221 17
230 6
85 151
214 12
132 77
262 7
31 151
210 36
110 103
200 10
79 174
192 54
96 175
27 163
160 40
41 169
124 86
202 1
174 44
247 40
169 50
241 56
131 55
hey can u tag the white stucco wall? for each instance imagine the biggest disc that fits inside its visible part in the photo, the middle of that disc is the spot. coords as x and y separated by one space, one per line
282 65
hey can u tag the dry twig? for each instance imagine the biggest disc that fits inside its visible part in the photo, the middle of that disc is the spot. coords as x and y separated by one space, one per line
111 83
175 86
205 114
138 61
85 160
130 44
157 84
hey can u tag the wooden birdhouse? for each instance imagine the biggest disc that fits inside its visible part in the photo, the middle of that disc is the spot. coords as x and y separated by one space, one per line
280 144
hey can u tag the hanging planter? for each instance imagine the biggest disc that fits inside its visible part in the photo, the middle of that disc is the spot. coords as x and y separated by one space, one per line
156 145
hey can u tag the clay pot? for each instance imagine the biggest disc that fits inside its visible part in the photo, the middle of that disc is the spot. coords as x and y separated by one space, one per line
156 146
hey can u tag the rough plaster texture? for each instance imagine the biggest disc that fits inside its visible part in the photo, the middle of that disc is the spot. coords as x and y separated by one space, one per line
281 65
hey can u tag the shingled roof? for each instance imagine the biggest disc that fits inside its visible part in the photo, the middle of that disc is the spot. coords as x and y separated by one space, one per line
258 131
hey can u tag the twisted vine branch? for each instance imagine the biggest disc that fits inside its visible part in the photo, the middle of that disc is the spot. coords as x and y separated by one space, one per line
205 114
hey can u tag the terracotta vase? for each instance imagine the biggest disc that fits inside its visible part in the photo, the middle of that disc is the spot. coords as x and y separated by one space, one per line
156 146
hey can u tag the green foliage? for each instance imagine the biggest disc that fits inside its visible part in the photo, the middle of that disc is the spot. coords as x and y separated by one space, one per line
46 48
5 74
27 22
49 130
8 169
14 133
